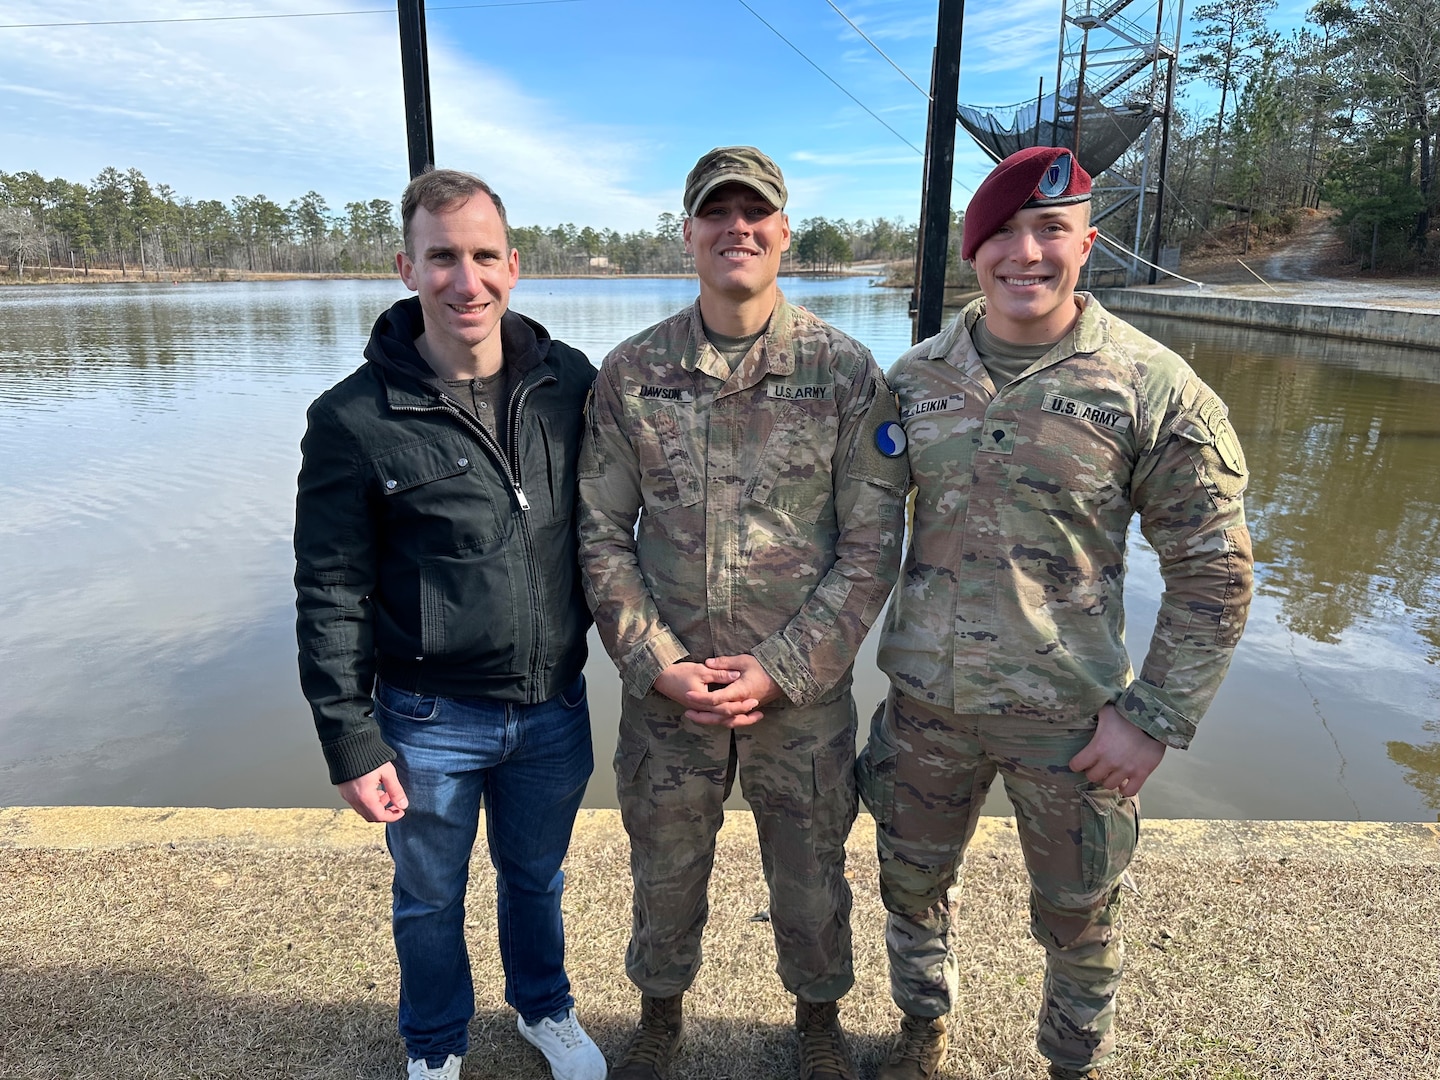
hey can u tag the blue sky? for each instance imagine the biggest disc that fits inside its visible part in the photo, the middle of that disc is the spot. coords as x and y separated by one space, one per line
587 111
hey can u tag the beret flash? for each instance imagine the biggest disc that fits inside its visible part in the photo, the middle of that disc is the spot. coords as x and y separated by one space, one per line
1037 176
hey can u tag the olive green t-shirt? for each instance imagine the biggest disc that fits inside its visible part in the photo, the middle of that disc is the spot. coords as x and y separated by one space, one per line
483 399
1005 360
733 349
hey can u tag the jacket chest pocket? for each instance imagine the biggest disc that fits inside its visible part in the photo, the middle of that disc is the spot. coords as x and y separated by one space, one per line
668 476
942 448
408 467
794 473
434 489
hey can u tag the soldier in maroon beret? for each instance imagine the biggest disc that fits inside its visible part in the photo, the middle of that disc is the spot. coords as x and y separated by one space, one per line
1027 234
1039 176
1039 425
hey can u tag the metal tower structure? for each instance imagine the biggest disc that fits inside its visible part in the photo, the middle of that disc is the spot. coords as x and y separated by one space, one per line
1124 74
1114 86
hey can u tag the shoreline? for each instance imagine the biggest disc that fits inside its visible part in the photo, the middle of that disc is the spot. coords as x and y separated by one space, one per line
1392 314
113 828
228 276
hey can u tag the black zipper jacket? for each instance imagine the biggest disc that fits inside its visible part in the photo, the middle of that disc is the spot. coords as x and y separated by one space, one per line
425 552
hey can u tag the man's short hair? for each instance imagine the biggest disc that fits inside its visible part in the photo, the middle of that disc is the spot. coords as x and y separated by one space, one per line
438 189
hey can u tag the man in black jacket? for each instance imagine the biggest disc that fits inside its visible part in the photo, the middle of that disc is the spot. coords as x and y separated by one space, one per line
441 619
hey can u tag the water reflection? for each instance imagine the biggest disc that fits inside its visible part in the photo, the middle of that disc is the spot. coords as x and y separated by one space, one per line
1421 765
151 432
1343 443
1341 655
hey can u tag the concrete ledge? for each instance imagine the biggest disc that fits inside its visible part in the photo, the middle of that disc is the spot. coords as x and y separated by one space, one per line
80 828
1386 326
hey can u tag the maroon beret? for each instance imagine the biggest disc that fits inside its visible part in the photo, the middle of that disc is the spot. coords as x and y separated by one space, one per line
1038 176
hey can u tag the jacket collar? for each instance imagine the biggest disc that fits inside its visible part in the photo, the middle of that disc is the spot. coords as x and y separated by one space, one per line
411 383
770 355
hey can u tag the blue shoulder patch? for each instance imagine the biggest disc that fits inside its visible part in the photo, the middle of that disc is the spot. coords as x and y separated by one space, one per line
890 439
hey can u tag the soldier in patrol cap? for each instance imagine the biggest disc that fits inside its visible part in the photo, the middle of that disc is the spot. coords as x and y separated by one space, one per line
1038 425
761 452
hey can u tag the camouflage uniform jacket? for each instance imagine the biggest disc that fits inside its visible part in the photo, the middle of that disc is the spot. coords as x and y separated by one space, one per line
769 522
1011 600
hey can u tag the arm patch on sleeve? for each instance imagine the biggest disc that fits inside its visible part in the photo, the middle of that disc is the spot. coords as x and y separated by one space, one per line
1207 426
882 428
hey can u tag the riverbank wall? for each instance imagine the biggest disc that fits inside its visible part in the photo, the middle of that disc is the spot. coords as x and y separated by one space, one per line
232 943
1352 320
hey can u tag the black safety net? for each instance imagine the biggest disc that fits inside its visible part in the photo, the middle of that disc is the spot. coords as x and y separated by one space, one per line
1105 132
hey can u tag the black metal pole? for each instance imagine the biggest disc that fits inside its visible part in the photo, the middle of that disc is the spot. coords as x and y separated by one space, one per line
415 68
1039 101
939 170
1164 165
1159 182
1080 92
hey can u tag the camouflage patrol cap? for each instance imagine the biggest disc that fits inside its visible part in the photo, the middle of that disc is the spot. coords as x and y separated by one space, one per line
1038 176
734 165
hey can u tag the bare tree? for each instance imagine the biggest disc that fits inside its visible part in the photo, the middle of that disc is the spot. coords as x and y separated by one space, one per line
21 239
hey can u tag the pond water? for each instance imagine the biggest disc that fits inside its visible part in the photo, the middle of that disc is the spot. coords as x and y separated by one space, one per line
149 436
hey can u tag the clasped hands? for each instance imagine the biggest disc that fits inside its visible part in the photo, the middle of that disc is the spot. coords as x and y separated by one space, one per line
726 691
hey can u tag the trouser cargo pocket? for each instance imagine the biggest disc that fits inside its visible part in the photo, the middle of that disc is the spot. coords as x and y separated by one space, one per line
875 767
1109 833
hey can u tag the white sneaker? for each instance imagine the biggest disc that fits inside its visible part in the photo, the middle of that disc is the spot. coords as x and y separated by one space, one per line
416 1069
572 1054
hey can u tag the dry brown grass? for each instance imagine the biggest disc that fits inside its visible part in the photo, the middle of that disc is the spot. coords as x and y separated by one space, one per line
1305 245
230 961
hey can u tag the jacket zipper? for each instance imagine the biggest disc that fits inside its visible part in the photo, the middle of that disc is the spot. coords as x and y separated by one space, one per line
539 653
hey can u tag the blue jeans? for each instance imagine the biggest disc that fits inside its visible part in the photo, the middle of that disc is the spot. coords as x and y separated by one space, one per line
530 764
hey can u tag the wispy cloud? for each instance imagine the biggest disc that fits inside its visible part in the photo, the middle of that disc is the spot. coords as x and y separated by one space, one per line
283 106
214 108
539 158
590 113
1006 45
871 157
1016 41
889 20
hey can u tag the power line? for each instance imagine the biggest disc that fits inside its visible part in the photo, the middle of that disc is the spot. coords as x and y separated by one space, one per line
822 71
879 50
280 15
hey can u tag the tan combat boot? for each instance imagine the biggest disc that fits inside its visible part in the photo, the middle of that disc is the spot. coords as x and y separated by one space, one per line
918 1051
653 1042
823 1052
1061 1072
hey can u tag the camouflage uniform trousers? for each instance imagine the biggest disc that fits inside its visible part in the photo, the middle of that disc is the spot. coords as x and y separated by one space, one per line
924 774
796 769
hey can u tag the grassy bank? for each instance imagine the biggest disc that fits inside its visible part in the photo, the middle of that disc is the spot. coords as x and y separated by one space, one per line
256 943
